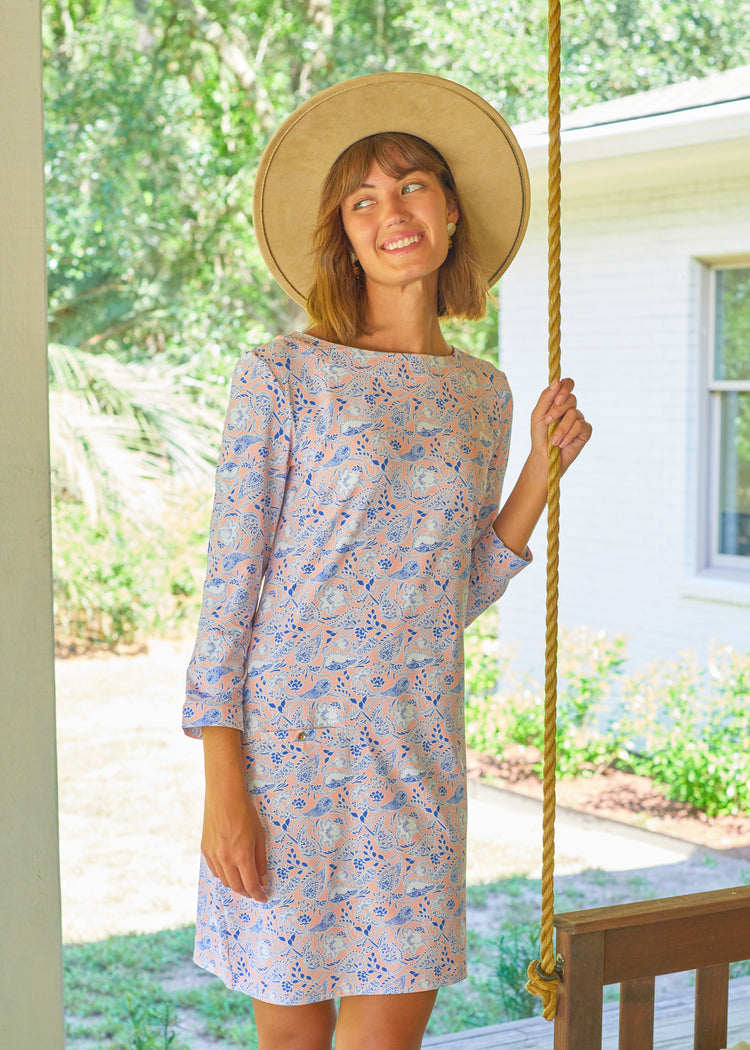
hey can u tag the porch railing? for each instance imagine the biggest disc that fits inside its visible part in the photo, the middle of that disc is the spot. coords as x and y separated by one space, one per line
631 944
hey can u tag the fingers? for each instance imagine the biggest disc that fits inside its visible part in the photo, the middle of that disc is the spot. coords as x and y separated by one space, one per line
571 427
235 852
243 878
557 408
556 401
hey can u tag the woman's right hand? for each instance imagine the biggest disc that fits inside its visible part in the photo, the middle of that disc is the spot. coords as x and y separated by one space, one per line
233 842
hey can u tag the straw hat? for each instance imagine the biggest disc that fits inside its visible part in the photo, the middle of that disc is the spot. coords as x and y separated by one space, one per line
481 151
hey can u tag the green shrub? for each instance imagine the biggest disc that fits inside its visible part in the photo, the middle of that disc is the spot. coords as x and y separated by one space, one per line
483 670
116 583
680 724
501 713
687 728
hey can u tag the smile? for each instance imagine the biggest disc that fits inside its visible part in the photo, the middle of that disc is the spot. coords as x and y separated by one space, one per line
404 242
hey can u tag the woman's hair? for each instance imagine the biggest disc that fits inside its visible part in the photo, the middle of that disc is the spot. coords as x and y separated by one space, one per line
337 298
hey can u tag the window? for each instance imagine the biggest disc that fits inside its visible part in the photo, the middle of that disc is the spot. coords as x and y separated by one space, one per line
728 525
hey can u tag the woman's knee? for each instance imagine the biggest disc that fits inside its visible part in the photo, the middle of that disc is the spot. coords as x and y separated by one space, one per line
308 1027
384 1022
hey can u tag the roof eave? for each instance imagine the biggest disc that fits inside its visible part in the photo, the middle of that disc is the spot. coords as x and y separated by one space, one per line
689 127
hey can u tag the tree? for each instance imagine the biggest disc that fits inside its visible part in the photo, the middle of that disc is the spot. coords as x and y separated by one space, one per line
157 114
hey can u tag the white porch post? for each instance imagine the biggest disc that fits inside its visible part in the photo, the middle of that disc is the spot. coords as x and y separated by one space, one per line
30 954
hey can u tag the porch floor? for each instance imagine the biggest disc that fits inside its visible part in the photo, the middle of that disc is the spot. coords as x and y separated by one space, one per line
673 1027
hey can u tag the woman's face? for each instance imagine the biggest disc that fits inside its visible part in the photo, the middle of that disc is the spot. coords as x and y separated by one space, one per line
397 227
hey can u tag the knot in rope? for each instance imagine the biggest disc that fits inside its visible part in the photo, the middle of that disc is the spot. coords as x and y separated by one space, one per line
545 986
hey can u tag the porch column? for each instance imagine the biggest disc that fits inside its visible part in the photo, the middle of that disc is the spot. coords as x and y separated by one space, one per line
31 1014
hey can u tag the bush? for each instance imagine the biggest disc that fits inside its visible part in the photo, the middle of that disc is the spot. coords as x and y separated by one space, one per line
687 728
117 583
589 663
682 725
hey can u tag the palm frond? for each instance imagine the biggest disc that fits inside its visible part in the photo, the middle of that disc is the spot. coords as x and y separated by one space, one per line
128 433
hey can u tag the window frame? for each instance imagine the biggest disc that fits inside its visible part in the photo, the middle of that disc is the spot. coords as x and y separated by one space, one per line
734 567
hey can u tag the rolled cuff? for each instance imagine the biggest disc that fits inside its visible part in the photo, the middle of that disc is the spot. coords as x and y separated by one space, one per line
493 567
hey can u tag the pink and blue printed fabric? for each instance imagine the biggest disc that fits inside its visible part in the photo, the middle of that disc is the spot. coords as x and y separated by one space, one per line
359 487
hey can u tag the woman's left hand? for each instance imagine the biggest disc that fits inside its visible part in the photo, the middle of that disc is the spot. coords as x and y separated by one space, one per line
557 404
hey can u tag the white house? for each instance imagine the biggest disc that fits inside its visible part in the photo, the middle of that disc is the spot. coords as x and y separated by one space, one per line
655 534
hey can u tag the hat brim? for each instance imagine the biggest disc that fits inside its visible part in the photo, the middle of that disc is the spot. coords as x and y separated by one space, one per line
487 164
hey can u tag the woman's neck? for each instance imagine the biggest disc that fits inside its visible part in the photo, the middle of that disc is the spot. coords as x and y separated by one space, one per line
403 319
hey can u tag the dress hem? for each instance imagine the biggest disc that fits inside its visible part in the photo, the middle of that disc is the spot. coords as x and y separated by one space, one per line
358 989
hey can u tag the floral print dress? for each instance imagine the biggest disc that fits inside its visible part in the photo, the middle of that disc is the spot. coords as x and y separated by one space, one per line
351 542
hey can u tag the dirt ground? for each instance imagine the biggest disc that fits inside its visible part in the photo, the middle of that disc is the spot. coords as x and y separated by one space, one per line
131 797
625 797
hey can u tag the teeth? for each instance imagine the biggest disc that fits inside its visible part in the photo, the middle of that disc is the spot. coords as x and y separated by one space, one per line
402 243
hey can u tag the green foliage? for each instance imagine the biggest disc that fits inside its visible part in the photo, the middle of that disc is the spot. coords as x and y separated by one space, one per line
225 1015
125 434
682 725
589 664
516 945
113 991
476 337
157 115
482 674
498 717
687 728
116 583
152 1029
733 323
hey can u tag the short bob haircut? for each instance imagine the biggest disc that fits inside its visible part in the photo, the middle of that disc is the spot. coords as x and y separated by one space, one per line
337 298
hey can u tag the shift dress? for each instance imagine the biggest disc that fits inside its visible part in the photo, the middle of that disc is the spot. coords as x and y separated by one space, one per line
358 488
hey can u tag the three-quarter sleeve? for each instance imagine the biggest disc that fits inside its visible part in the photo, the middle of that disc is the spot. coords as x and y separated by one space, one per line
250 484
492 565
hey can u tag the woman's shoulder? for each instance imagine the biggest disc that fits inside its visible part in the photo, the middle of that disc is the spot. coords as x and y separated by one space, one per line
279 357
279 349
485 373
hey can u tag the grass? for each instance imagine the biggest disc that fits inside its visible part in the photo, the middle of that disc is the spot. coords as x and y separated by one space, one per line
142 992
113 991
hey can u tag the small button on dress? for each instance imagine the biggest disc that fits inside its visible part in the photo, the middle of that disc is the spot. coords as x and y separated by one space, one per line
351 543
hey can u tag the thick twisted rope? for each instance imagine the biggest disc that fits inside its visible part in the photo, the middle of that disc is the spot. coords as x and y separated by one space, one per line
543 975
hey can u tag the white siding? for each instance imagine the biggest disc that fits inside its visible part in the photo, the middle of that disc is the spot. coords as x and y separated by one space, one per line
633 230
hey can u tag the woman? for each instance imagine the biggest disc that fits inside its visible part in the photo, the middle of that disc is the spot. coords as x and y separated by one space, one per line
355 534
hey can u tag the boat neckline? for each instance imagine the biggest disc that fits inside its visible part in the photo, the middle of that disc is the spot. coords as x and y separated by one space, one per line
380 353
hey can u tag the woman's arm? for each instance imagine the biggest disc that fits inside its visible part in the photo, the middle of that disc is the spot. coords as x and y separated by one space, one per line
523 508
233 842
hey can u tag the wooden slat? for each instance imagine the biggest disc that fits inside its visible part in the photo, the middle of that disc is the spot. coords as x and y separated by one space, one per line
675 945
579 995
637 1014
644 913
711 1006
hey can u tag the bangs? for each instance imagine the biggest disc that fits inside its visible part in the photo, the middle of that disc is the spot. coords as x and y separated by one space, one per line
395 152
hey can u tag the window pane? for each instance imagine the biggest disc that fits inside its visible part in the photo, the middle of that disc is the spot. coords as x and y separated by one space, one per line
734 510
732 335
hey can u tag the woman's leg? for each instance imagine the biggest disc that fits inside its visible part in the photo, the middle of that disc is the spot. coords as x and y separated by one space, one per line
383 1022
307 1027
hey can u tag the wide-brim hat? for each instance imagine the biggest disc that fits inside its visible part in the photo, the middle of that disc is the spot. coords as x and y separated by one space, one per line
486 161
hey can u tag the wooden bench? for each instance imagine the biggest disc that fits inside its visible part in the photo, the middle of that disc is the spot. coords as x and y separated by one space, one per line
631 944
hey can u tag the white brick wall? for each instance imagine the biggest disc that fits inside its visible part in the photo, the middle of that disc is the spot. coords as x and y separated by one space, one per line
632 232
